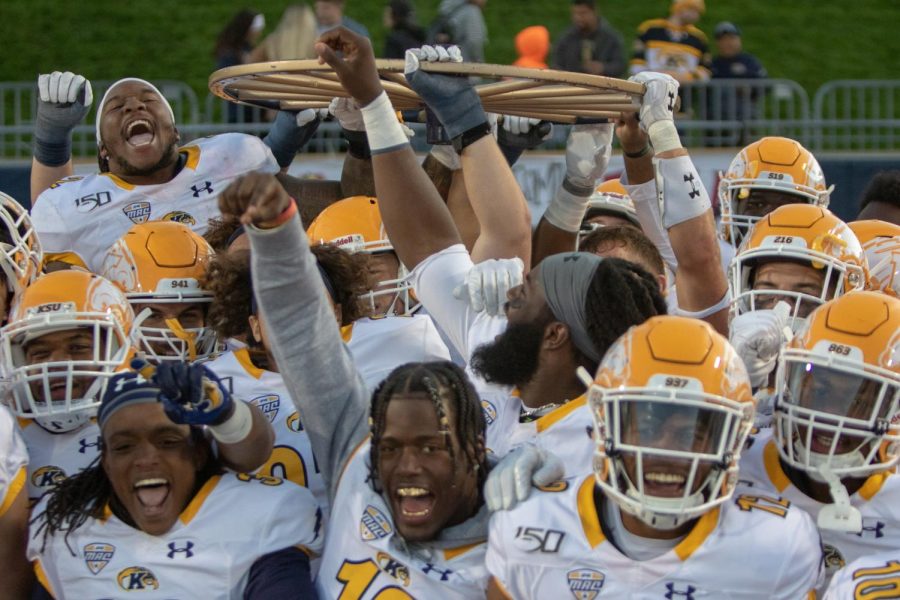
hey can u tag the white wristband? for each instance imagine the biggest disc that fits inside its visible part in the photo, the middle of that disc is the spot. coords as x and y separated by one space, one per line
709 311
664 136
382 127
237 427
566 210
684 195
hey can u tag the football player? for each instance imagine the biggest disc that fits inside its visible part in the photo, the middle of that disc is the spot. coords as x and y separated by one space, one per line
767 174
608 206
160 265
834 442
870 576
158 513
70 333
407 518
13 508
144 174
672 407
881 242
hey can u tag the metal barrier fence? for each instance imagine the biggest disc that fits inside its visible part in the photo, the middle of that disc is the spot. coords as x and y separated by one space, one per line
846 115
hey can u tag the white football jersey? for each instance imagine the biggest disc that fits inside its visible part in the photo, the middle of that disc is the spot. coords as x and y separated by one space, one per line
878 500
868 578
79 218
566 431
380 345
553 546
292 457
55 456
13 460
232 521
365 560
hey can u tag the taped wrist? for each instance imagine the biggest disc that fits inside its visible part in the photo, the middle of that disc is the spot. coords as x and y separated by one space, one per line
566 210
684 195
382 127
286 138
236 428
709 311
664 136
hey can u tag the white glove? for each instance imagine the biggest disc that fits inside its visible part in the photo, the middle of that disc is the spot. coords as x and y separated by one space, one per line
588 149
657 114
757 336
63 88
510 481
447 156
488 283
518 125
306 116
347 112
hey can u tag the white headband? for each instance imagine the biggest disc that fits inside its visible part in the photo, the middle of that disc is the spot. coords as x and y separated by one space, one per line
126 80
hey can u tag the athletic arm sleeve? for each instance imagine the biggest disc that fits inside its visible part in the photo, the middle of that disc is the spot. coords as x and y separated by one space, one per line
317 368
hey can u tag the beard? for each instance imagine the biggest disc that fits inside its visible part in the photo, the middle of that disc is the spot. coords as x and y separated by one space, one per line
512 358
169 156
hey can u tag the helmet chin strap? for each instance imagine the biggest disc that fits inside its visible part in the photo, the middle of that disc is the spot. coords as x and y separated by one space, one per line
820 462
664 521
188 337
840 515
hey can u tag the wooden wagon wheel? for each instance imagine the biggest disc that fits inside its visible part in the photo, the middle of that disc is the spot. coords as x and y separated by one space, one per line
559 96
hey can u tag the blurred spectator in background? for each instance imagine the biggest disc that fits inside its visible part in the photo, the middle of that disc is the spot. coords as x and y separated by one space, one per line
461 22
591 45
532 46
731 61
233 47
292 39
881 200
674 45
403 32
330 14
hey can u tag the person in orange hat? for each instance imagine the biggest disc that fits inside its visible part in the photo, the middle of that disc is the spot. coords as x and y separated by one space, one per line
532 46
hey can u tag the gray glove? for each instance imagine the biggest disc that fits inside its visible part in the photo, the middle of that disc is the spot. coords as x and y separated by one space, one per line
63 101
452 99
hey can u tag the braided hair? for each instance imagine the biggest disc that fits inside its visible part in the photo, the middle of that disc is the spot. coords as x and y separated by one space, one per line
86 495
439 380
621 295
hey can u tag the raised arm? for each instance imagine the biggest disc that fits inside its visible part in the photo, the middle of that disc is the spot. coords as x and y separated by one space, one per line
686 213
306 342
63 101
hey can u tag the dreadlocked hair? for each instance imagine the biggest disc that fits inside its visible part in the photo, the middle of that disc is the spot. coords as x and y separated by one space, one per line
621 294
86 495
219 231
439 380
349 278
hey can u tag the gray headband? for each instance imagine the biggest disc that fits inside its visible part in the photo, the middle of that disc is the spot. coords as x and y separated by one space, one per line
566 279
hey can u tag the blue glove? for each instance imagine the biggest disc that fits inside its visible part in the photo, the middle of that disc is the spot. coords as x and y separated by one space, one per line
192 394
290 132
451 98
63 101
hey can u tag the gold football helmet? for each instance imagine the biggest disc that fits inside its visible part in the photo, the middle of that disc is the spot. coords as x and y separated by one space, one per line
163 262
354 224
19 245
881 242
772 164
60 385
672 407
805 235
838 387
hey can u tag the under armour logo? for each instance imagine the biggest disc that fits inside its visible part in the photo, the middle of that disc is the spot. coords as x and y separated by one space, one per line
689 178
173 550
445 575
84 444
207 187
571 257
672 592
671 105
876 530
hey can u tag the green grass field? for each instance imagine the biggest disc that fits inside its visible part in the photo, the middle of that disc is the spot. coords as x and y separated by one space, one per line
805 40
